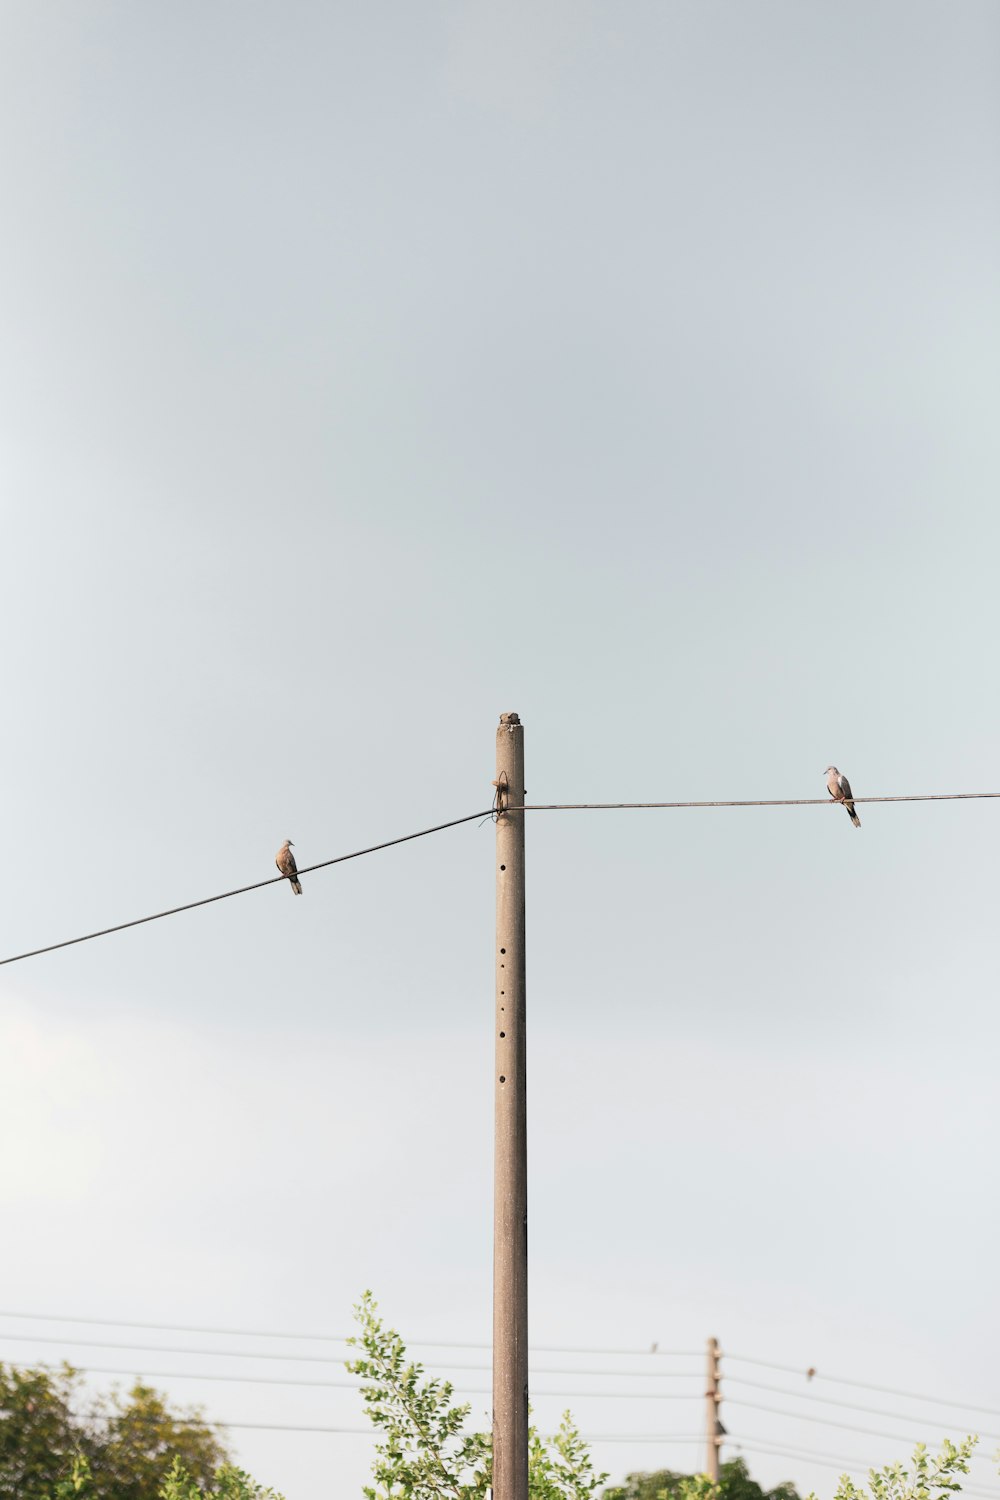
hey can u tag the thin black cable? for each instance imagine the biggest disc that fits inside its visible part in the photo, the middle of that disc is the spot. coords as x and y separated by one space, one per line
827 1460
862 1385
966 1406
873 1411
852 1465
467 1390
800 1416
249 1333
588 1437
242 890
486 1390
341 1338
239 891
639 1437
314 1359
773 802
345 1385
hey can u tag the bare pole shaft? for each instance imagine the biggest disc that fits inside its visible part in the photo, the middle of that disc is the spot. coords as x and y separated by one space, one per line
510 1180
713 1436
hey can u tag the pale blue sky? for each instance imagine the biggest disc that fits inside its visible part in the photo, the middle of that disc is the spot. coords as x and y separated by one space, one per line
368 370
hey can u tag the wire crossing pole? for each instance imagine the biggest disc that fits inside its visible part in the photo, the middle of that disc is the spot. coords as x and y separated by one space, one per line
510 1144
714 1430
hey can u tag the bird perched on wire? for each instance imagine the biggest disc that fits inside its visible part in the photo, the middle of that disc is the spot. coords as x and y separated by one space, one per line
840 790
285 860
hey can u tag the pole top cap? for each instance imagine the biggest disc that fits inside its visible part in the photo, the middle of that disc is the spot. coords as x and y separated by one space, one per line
509 719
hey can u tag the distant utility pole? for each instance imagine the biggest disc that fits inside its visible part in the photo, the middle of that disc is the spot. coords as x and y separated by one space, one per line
714 1430
510 1146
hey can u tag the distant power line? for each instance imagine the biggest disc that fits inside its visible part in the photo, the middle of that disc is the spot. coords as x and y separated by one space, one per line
872 1411
782 1450
826 1460
242 890
801 1416
771 802
652 1353
862 1385
316 1359
339 1338
737 1401
349 1385
588 1437
355 1384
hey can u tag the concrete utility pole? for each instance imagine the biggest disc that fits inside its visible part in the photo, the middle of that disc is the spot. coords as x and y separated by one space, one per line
714 1430
510 1150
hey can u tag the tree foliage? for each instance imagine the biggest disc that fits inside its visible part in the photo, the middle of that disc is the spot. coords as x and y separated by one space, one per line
735 1483
928 1478
229 1483
425 1452
118 1448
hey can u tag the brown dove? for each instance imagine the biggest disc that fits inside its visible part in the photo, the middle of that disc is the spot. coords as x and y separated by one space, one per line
840 790
285 860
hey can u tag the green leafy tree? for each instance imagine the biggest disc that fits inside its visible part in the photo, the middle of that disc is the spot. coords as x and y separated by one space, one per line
425 1453
229 1484
120 1448
38 1440
78 1485
139 1440
927 1478
735 1483
562 1471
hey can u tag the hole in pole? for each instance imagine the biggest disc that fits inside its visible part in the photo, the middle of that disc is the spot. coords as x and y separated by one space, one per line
503 950
503 1033
503 867
502 1078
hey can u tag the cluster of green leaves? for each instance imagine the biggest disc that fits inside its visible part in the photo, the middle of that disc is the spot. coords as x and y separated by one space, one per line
229 1484
562 1469
930 1475
425 1452
120 1448
734 1483
929 1478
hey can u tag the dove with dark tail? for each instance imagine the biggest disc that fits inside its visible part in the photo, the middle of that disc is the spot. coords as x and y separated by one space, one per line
840 790
285 860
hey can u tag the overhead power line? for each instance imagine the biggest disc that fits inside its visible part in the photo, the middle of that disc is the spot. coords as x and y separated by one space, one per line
243 889
317 1359
324 864
852 1465
801 1416
343 1338
639 1437
631 1352
770 802
249 1333
872 1411
348 1385
588 1437
863 1385
827 1460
